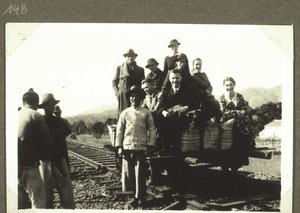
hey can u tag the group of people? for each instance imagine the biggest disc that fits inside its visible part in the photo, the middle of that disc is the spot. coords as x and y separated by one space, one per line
42 154
152 110
151 116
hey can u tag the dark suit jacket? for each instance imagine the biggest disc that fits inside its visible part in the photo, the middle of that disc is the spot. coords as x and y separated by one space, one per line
158 78
123 80
202 83
185 97
170 63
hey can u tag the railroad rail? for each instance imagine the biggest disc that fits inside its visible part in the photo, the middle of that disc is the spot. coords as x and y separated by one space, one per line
93 155
94 167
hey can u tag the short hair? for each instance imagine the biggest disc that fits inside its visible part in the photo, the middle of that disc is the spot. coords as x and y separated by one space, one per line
30 97
175 71
197 59
229 79
147 80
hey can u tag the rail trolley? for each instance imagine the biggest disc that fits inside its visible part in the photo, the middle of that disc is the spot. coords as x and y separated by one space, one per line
208 148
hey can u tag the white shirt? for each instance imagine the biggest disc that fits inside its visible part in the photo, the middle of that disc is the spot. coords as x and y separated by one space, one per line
175 89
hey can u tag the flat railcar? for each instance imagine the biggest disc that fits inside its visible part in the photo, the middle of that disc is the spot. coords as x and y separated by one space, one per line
213 146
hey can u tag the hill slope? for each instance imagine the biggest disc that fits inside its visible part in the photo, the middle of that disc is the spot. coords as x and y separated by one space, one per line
256 96
94 117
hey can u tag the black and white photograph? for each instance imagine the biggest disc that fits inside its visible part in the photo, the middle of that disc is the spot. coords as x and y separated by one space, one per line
113 116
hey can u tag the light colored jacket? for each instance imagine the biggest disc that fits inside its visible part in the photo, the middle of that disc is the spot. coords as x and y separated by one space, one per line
135 129
153 102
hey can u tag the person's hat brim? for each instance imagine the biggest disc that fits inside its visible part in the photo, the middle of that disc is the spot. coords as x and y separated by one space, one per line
170 45
149 65
48 103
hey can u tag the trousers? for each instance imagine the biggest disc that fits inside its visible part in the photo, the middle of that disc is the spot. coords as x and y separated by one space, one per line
133 172
63 184
30 181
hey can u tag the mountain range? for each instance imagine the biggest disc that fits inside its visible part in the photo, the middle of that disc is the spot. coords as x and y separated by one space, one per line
256 96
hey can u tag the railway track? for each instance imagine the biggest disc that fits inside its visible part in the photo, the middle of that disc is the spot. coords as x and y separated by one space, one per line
97 185
93 155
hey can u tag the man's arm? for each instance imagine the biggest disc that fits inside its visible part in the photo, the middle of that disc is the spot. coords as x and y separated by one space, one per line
120 131
47 140
151 128
115 81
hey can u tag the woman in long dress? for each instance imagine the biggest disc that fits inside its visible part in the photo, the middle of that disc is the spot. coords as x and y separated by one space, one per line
236 110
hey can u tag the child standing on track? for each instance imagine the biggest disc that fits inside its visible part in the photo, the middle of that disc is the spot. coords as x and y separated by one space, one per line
135 135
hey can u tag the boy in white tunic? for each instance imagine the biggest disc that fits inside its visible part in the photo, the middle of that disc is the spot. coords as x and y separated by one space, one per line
135 135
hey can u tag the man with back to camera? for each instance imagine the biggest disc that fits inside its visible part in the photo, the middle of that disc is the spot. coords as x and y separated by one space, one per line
33 138
127 75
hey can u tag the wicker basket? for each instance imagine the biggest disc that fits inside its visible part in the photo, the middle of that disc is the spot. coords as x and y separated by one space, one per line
211 137
190 141
227 136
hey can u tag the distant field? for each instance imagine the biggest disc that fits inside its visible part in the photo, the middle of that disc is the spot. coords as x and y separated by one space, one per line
89 139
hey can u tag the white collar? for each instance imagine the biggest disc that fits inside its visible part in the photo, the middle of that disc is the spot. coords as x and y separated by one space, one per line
233 100
174 89
171 55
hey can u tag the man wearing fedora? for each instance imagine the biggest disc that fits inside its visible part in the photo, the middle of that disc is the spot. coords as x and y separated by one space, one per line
59 130
156 75
33 138
135 135
170 60
127 75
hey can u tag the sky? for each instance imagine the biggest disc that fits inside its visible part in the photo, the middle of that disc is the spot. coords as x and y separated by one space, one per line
76 62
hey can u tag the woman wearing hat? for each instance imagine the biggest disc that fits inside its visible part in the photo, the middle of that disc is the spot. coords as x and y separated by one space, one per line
127 75
156 75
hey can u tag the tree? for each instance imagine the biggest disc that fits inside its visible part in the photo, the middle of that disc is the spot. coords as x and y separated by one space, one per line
268 112
110 121
79 127
98 129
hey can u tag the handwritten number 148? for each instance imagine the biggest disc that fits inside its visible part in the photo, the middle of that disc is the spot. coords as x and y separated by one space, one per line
18 9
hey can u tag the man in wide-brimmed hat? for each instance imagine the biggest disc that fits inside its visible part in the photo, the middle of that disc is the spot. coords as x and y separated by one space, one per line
59 129
135 135
33 137
127 75
170 61
156 75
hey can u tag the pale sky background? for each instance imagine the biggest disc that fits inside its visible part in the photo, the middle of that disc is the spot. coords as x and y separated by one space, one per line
76 62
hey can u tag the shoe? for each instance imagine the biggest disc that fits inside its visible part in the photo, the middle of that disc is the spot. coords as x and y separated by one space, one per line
142 202
134 203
